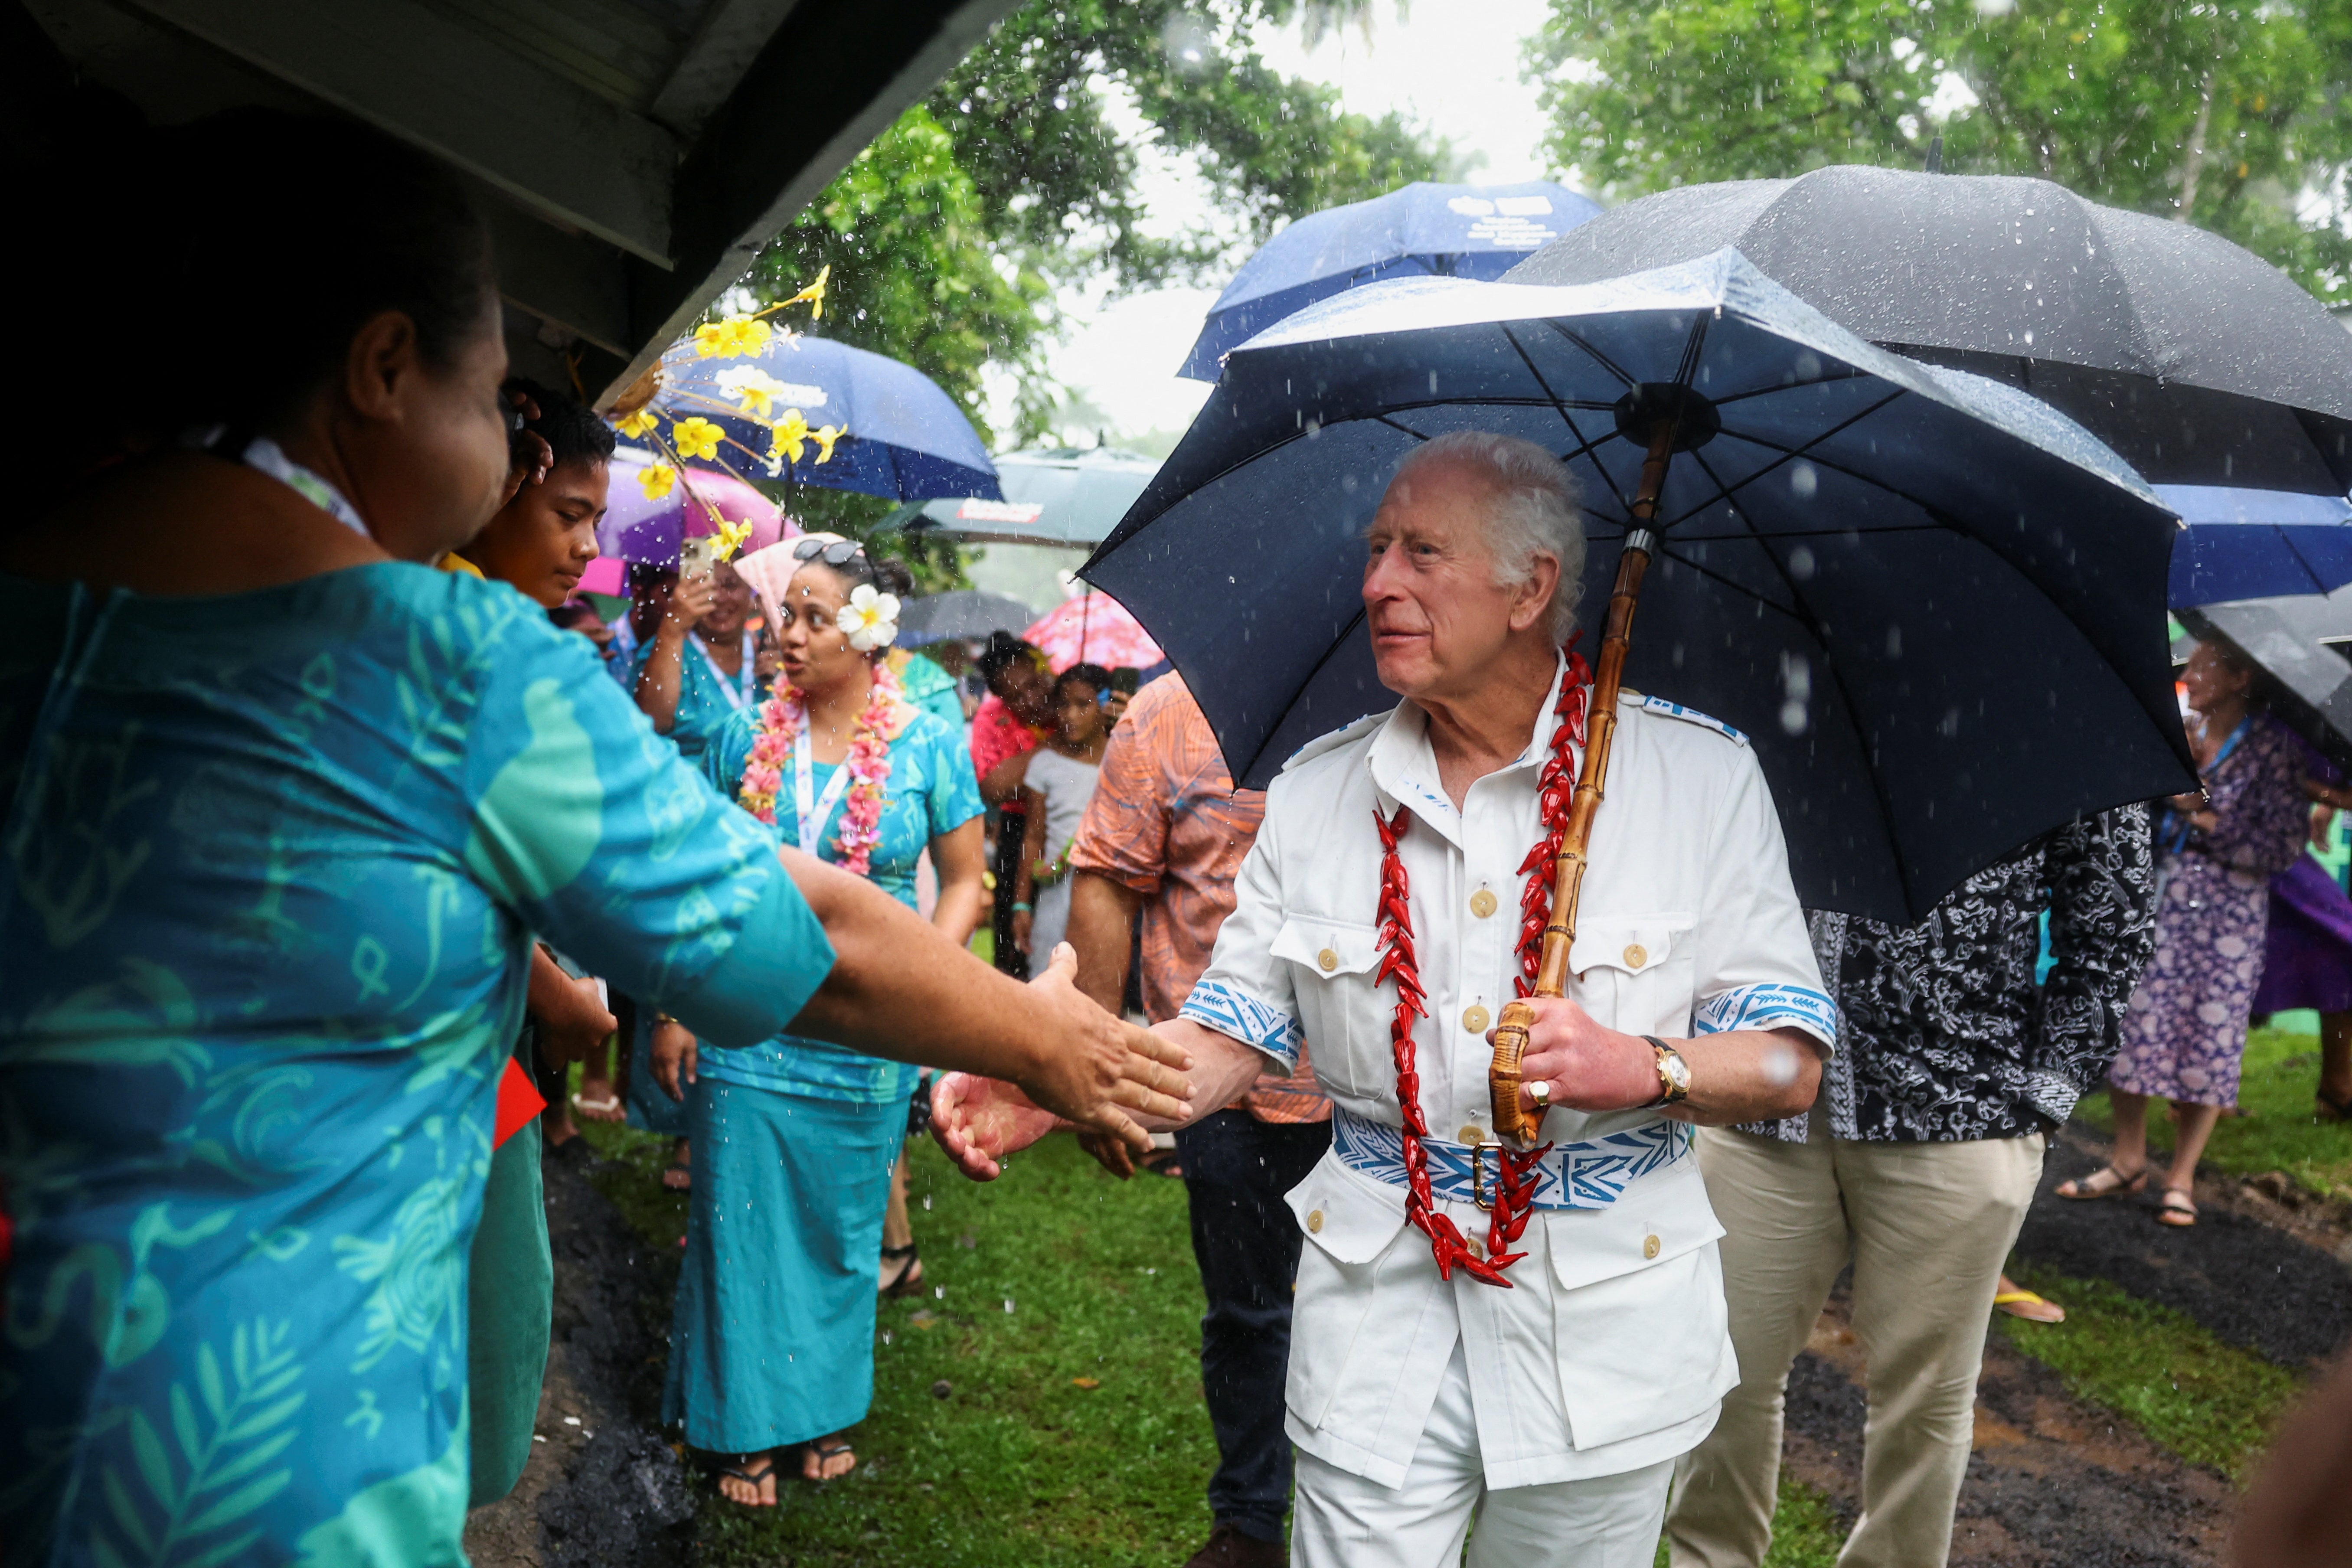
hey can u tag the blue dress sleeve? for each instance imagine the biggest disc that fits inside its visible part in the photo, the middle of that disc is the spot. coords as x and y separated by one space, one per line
955 787
591 828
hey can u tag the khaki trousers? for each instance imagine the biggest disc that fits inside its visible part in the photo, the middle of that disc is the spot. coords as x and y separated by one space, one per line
1929 1226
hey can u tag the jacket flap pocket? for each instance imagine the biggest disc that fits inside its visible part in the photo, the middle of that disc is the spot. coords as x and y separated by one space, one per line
1634 945
1351 1216
1328 948
1658 1219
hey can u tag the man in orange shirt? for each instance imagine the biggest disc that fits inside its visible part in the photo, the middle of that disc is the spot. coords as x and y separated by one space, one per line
1162 839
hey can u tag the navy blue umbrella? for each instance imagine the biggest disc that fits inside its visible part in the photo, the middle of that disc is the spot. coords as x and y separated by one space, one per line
1934 606
2257 544
904 437
1456 231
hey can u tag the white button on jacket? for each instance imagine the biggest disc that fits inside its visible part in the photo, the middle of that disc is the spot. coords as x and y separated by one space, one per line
1610 1351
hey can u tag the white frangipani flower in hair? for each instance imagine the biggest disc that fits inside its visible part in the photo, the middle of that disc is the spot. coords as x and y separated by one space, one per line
870 620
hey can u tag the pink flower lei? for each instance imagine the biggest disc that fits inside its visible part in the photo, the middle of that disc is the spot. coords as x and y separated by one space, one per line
869 762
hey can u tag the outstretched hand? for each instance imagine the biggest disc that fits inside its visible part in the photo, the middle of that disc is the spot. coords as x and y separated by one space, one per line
1104 1069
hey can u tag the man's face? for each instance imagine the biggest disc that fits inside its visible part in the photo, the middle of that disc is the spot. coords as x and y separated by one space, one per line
543 538
1436 617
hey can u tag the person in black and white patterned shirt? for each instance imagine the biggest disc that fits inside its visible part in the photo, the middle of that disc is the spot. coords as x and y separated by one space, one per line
1919 1161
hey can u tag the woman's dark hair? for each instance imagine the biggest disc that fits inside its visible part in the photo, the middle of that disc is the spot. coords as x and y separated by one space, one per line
1092 675
573 430
288 234
1002 648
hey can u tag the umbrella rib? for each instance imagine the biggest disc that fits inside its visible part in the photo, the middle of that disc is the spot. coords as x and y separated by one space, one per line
1789 454
1850 374
1603 360
1692 346
1583 446
1803 616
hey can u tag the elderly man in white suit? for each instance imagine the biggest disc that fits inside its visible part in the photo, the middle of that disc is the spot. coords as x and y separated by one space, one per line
1539 1370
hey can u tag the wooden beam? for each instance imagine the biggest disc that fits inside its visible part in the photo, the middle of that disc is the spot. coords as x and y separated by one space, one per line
560 149
723 48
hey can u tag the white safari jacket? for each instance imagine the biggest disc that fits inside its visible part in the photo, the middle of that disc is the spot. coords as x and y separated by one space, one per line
1610 1351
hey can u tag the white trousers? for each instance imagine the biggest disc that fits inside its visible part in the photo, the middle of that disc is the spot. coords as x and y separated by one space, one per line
1343 1520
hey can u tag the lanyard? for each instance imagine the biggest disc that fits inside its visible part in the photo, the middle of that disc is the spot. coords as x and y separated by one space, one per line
2176 823
738 696
813 814
269 457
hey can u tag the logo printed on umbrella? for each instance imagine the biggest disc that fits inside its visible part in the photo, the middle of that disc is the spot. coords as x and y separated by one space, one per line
977 511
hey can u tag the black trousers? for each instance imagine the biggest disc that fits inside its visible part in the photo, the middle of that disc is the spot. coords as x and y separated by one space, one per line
1237 1169
1010 827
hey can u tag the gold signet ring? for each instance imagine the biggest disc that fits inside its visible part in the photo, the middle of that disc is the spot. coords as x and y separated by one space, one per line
1540 1092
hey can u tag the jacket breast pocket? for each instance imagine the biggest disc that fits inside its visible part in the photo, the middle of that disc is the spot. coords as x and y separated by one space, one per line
1637 972
1334 965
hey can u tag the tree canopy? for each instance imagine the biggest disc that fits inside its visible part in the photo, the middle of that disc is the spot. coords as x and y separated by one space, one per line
2236 115
949 236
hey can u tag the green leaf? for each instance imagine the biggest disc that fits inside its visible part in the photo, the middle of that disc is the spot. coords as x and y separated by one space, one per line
208 1380
271 1382
239 1503
236 1355
183 1425
227 1552
126 1513
252 1460
153 1463
262 1420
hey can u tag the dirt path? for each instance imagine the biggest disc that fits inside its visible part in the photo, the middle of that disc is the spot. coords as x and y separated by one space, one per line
603 1487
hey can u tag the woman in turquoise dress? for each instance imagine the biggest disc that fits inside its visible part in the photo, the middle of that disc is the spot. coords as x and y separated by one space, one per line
772 1337
283 809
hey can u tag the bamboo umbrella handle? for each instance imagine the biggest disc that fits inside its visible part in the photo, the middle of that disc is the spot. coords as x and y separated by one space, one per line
1511 1119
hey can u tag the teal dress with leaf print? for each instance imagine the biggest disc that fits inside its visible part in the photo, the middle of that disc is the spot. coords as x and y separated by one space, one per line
931 790
274 861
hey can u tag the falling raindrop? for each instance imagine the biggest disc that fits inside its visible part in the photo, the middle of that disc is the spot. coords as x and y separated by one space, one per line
1800 564
1803 479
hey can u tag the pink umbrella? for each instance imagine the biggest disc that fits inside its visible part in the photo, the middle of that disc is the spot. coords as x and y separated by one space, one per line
1094 628
647 532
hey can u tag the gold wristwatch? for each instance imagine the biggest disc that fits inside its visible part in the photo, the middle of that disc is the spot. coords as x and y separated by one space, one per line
1674 1073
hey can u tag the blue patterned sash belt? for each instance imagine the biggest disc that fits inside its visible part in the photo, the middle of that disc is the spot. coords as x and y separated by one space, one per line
1591 1174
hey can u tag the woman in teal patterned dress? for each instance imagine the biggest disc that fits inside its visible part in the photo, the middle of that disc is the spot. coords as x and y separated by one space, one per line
282 810
772 1335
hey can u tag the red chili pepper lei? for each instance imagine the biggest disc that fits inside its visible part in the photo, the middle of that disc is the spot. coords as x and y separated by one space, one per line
1515 1177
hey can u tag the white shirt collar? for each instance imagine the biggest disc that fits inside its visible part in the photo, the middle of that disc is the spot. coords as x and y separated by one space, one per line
1403 764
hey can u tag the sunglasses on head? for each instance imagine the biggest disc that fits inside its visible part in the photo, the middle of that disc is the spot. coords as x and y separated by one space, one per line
832 551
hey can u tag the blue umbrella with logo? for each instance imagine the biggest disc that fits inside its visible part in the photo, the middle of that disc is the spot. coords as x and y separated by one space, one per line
1932 604
2257 544
821 413
1421 229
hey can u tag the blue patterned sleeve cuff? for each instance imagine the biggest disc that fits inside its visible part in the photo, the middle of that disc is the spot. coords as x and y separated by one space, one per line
1246 1018
1768 1007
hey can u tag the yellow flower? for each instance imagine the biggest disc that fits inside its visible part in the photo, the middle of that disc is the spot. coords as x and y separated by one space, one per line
753 389
735 335
813 294
635 425
791 433
824 435
657 480
696 437
731 536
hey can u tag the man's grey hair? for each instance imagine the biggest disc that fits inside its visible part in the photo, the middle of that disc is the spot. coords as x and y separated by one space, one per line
1537 511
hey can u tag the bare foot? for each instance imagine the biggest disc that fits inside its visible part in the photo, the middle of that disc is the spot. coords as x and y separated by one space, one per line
2019 1303
827 1458
750 1481
679 1176
597 1103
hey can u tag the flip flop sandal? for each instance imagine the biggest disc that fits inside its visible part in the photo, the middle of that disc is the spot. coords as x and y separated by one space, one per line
825 1452
910 1278
2010 1301
2115 1185
608 1109
749 1477
683 1171
2177 1210
2330 1110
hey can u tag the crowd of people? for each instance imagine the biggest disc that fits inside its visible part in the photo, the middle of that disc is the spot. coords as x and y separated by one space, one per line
332 809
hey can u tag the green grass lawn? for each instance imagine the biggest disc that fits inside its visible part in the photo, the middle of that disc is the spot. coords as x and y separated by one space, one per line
1017 1463
2209 1402
2279 1133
